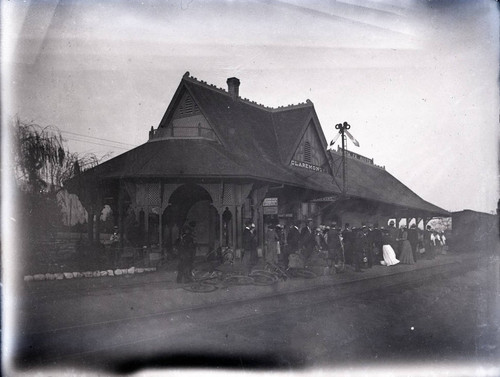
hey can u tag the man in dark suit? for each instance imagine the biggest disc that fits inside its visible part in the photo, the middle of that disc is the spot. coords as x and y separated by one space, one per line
334 247
293 241
359 247
249 256
376 241
307 239
348 238
428 245
367 245
187 254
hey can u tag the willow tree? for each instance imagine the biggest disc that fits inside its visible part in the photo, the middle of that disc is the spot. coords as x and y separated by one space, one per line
41 164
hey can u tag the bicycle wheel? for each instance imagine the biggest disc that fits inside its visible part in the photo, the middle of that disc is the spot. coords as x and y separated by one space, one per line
262 277
228 257
200 287
238 280
302 273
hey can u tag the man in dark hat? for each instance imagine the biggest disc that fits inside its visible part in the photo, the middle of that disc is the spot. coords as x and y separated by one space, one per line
187 252
334 246
292 241
359 249
428 245
307 239
249 256
376 241
367 246
348 237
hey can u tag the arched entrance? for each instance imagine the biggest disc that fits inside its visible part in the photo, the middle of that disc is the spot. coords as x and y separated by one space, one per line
191 202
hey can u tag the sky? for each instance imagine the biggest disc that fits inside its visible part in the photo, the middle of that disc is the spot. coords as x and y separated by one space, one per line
416 80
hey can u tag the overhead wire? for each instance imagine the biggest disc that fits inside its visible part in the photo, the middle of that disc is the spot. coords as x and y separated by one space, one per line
97 138
101 144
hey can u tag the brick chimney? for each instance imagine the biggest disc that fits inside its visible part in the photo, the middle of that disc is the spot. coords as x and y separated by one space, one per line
233 87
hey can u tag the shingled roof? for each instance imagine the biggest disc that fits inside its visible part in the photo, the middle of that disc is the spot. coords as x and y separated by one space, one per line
199 158
256 142
368 181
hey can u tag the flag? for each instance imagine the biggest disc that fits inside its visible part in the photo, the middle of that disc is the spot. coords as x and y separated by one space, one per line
355 142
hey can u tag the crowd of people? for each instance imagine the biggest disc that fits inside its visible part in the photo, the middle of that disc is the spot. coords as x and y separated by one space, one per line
360 247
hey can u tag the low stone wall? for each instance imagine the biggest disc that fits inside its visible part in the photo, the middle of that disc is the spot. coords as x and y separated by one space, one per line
88 274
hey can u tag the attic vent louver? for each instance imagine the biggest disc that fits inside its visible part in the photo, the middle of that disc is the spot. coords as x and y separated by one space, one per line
188 107
307 152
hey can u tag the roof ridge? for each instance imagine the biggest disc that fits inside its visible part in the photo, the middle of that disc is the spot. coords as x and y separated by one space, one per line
187 76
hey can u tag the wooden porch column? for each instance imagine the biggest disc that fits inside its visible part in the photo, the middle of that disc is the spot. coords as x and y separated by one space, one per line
120 215
90 223
238 231
221 225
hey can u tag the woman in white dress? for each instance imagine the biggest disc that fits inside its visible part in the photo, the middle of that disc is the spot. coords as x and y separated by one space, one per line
387 250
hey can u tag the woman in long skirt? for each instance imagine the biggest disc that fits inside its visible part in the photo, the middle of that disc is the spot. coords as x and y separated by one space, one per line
271 245
387 251
406 256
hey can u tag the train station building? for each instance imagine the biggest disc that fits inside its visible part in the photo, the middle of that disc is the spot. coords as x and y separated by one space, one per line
221 160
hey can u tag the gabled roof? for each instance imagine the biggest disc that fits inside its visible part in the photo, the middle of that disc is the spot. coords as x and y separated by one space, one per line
245 127
369 181
290 125
257 143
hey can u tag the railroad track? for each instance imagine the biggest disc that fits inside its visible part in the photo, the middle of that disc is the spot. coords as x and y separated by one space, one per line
134 333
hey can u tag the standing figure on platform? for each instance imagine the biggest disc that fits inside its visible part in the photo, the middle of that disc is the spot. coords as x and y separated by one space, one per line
334 247
249 256
367 246
406 255
428 243
413 239
444 246
187 252
437 243
348 238
272 242
394 235
387 250
307 239
360 243
292 241
376 239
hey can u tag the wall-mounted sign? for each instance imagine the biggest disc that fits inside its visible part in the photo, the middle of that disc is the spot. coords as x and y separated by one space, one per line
326 199
305 165
270 202
270 210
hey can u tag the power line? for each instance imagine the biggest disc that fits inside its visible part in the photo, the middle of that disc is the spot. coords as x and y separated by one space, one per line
102 145
97 138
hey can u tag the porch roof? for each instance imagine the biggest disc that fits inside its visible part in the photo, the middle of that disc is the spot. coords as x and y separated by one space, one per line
375 183
184 158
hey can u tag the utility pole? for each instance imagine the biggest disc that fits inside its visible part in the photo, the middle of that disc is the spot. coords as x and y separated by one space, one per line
343 127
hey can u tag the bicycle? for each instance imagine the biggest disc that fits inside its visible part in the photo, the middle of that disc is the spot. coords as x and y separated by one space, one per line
276 269
211 281
222 255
